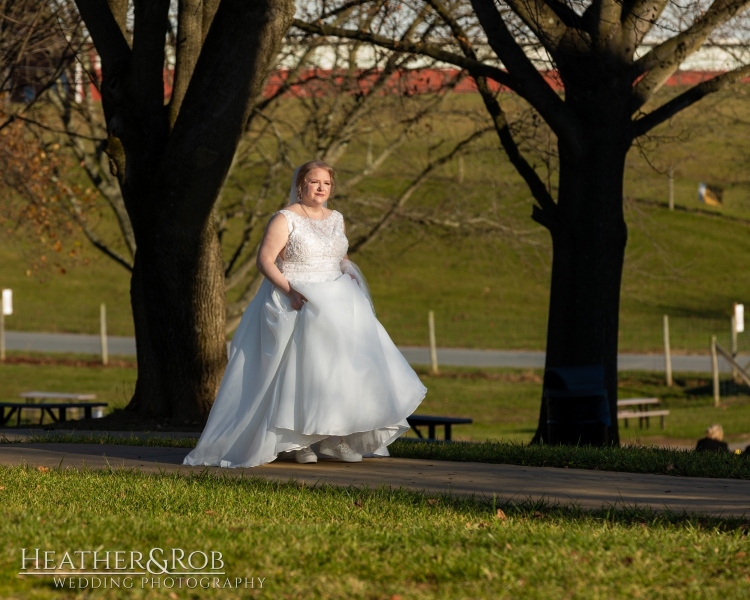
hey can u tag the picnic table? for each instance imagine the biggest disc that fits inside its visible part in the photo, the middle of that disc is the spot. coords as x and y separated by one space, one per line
431 421
35 400
642 413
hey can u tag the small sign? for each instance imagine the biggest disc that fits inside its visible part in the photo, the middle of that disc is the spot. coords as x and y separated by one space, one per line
7 302
739 317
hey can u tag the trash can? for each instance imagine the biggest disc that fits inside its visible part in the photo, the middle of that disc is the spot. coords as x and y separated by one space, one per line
577 406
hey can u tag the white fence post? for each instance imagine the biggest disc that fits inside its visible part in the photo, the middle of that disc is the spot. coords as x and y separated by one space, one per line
667 352
671 187
715 370
433 343
103 332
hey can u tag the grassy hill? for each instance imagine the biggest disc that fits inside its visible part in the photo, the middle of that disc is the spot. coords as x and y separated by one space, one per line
491 290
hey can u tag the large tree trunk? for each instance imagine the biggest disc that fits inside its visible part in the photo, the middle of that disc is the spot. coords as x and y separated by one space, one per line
588 240
177 295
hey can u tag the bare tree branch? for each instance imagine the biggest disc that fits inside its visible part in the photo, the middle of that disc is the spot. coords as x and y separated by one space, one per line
421 48
110 42
687 98
187 50
638 17
534 88
663 60
393 211
75 209
146 76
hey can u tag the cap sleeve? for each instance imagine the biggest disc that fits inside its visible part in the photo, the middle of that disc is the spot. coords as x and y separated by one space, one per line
289 218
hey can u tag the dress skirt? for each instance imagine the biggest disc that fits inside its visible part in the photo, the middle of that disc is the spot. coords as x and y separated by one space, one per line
297 377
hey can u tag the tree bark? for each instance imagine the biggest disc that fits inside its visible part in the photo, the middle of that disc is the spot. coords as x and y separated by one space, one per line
589 236
177 295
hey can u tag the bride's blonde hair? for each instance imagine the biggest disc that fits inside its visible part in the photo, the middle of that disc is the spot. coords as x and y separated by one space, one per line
304 171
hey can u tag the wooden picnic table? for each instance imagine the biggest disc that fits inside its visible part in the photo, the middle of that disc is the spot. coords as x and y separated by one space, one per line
643 414
34 400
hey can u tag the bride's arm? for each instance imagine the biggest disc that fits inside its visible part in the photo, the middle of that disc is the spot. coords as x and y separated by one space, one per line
274 240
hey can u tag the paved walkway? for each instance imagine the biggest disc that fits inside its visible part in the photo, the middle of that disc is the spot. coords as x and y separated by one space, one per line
458 357
588 489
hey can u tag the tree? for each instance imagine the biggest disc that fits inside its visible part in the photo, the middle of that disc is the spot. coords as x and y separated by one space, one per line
610 58
170 162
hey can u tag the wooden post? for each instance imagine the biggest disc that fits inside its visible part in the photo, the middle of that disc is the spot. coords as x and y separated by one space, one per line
460 169
369 150
715 370
667 352
671 187
103 332
735 374
433 343
2 334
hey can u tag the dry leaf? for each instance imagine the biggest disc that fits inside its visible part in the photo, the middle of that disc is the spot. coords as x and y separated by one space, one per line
740 554
42 469
433 501
501 515
395 597
210 512
173 596
670 467
538 515
358 503
2 487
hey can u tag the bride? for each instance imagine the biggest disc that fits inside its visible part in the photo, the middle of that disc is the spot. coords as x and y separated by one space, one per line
309 362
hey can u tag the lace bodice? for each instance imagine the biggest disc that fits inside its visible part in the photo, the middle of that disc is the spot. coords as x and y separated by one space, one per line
315 248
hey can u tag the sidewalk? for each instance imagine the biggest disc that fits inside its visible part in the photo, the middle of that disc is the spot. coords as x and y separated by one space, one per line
588 489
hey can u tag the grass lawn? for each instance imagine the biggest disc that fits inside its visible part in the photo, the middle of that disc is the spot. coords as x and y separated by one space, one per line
358 543
504 403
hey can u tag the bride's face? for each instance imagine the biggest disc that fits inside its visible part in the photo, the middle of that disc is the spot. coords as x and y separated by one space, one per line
317 188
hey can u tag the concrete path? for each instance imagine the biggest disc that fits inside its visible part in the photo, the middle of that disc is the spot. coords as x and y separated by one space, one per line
458 357
588 489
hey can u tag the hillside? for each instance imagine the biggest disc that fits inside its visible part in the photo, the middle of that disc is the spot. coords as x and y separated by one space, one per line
491 290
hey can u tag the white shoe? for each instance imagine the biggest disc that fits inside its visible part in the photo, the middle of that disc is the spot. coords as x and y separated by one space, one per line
305 456
340 450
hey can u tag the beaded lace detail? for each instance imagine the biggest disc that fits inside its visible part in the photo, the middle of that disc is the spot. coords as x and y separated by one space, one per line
315 248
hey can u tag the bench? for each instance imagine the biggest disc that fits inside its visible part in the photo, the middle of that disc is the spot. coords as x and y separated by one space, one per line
416 421
31 398
17 407
643 414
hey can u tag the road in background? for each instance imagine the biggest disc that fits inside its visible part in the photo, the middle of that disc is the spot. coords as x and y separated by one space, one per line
454 357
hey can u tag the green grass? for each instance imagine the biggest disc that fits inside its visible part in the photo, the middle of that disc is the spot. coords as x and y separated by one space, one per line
491 291
56 437
360 543
504 403
626 459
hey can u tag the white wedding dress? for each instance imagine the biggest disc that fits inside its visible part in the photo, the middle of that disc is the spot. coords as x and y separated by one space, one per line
297 377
